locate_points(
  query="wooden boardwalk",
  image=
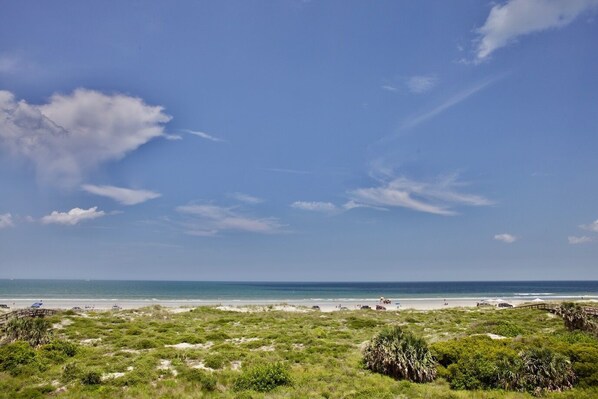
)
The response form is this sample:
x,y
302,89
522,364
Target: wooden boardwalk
x,y
552,307
27,312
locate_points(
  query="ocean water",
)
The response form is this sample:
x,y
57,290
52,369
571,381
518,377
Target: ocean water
x,y
291,291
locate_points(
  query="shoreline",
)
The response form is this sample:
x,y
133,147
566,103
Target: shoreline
x,y
326,305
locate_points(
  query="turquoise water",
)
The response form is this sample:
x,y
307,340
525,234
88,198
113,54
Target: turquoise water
x,y
291,291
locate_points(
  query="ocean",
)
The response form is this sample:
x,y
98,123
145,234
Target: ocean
x,y
291,291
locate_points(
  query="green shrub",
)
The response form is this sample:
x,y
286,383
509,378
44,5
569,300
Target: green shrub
x,y
91,377
217,336
481,363
400,355
36,330
34,392
214,361
584,359
263,378
59,350
507,329
544,370
357,323
15,356
145,343
206,380
576,318
71,372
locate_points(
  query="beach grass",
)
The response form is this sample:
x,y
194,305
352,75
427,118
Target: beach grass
x,y
206,352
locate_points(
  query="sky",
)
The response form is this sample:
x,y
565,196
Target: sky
x,y
299,140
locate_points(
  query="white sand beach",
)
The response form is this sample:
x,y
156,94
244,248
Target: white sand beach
x,y
262,305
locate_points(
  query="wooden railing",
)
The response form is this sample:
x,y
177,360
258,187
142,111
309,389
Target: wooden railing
x,y
551,307
27,312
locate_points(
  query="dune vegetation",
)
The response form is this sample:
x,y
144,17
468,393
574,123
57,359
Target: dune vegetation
x,y
206,352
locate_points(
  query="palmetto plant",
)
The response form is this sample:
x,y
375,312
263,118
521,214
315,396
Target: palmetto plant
x,y
576,318
545,370
36,331
401,355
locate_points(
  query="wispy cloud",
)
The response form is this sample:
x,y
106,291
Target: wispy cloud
x,y
506,22
449,103
574,240
204,135
506,238
72,217
421,83
172,137
125,196
437,197
246,198
6,221
209,220
590,226
389,88
315,206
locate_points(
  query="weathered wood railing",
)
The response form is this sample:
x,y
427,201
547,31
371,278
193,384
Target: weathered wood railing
x,y
552,307
27,312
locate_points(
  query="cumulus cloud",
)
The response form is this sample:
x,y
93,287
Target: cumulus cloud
x,y
72,217
591,227
125,196
421,84
203,135
506,238
74,133
248,199
573,240
436,197
211,219
6,220
314,206
516,18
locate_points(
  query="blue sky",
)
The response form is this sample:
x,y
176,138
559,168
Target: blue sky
x,y
299,140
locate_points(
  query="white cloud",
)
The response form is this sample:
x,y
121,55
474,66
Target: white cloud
x,y
437,197
506,238
74,133
125,196
73,217
211,219
6,220
573,240
388,88
173,137
314,206
591,227
248,199
515,18
421,84
203,135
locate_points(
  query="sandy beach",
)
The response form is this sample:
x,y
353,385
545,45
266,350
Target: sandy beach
x,y
255,305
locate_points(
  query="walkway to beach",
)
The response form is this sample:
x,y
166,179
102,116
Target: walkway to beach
x,y
552,307
28,312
